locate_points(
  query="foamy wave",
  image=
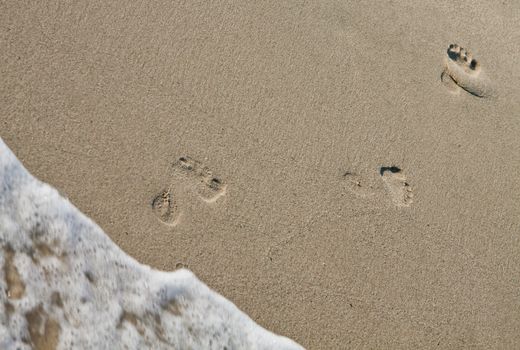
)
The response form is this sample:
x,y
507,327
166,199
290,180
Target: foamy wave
x,y
65,285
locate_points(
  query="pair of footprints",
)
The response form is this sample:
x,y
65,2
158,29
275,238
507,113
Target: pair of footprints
x,y
462,71
189,177
394,181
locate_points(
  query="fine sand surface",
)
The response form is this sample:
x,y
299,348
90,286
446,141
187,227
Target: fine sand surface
x,y
334,168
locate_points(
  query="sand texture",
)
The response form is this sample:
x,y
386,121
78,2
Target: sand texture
x,y
345,172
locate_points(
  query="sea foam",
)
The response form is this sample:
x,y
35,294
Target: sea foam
x,y
65,285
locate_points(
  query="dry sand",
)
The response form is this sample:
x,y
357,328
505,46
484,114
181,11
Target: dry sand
x,y
295,107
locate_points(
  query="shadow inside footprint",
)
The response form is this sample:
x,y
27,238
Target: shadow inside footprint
x,y
392,169
452,54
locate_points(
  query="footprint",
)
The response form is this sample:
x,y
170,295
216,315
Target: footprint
x,y
396,184
208,186
165,208
461,70
214,189
190,181
15,285
44,331
357,184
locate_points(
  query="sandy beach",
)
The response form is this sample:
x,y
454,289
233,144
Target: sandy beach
x,y
334,168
